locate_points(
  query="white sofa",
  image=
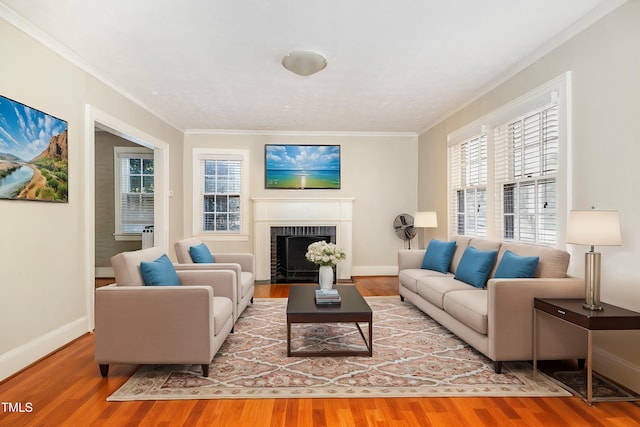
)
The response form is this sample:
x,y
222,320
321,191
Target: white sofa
x,y
497,320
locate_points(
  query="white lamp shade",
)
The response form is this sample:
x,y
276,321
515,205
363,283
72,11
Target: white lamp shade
x,y
594,228
425,220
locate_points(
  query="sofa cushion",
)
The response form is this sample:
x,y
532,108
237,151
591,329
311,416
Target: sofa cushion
x,y
201,254
516,266
475,266
159,272
461,244
469,307
410,277
553,262
438,256
433,289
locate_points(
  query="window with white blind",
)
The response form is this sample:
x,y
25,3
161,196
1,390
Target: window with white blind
x,y
134,191
220,186
526,176
468,186
508,169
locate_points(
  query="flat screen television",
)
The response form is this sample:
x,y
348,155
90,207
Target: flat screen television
x,y
302,166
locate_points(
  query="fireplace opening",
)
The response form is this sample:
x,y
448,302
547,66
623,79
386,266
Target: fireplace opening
x,y
288,249
292,264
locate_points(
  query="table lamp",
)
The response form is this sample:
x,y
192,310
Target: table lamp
x,y
425,219
593,228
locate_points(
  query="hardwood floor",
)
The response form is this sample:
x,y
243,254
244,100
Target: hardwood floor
x,y
66,389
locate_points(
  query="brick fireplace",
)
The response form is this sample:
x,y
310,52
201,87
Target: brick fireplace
x,y
301,216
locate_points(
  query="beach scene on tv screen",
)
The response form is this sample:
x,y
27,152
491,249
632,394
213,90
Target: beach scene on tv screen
x,y
302,166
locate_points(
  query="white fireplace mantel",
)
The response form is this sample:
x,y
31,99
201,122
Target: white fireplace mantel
x,y
313,211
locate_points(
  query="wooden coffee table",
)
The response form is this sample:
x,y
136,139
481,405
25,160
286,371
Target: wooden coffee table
x,y
302,308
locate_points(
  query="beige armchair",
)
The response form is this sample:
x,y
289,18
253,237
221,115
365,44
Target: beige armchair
x,y
183,324
242,263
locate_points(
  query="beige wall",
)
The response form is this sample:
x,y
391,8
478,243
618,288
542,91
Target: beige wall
x,y
106,245
605,65
379,171
45,248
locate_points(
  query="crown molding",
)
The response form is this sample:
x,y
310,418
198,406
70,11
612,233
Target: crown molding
x,y
300,133
43,38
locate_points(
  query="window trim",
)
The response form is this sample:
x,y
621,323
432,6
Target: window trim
x,y
118,151
199,154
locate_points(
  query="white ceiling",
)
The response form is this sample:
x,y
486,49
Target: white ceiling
x,y
394,66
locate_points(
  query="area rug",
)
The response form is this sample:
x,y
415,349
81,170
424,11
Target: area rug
x,y
603,389
412,356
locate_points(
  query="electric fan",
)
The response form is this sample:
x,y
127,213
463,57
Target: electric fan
x,y
403,227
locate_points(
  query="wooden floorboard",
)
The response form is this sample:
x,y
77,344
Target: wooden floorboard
x,y
66,389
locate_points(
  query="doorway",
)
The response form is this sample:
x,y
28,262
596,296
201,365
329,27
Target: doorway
x,y
98,121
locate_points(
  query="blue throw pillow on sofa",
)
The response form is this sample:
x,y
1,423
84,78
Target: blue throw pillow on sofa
x,y
160,272
438,256
516,266
201,254
475,266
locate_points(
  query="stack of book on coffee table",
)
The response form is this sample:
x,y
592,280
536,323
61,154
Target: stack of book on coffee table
x,y
327,296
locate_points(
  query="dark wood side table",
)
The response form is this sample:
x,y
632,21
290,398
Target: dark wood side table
x,y
570,310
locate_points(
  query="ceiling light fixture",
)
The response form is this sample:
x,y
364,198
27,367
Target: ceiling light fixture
x,y
304,63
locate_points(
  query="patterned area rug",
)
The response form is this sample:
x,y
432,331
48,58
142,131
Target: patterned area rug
x,y
412,356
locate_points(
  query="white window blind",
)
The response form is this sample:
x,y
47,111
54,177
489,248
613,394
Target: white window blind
x,y
221,196
134,192
468,186
526,176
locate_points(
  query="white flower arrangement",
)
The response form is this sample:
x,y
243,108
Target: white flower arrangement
x,y
323,253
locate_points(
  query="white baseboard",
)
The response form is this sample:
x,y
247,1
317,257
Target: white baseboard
x,y
617,369
20,357
104,272
374,270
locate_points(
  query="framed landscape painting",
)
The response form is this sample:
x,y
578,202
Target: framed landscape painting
x,y
302,166
33,154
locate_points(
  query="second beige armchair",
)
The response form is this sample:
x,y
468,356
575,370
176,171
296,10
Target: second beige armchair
x,y
242,263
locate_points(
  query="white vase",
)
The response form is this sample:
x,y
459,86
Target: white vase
x,y
326,277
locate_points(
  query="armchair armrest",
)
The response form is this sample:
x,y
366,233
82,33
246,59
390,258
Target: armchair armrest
x,y
410,258
222,282
235,267
246,260
510,312
175,323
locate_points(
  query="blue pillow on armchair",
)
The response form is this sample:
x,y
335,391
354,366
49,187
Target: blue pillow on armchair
x,y
201,254
438,256
475,266
160,272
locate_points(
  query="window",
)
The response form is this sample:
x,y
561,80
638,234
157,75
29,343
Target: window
x,y
527,166
220,193
468,186
134,191
507,170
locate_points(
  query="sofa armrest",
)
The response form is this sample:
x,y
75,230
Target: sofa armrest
x,y
510,312
153,324
410,258
246,260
